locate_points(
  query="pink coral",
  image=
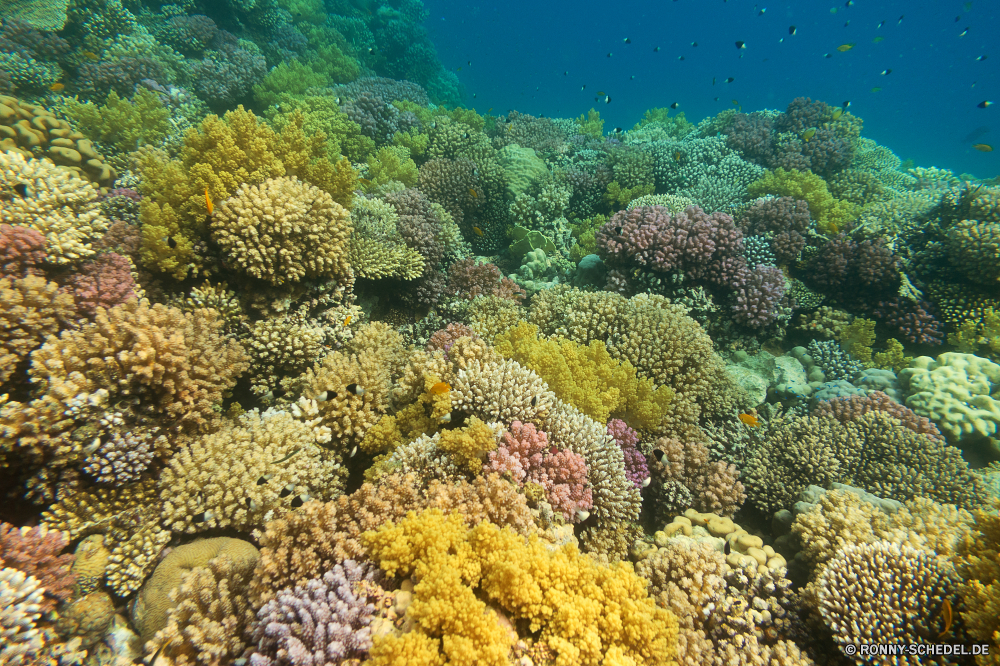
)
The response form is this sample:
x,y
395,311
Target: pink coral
x,y
525,456
468,279
635,463
852,407
36,552
102,283
21,251
700,245
444,338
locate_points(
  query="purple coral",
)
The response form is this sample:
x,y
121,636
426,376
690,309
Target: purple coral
x,y
97,79
22,250
468,279
636,469
914,321
843,266
325,621
227,75
444,338
693,242
102,283
786,218
758,293
190,35
379,119
451,184
524,455
17,36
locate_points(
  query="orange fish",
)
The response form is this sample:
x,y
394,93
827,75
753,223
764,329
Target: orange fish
x,y
983,147
479,232
440,388
347,320
57,87
208,202
946,614
474,194
750,420
90,54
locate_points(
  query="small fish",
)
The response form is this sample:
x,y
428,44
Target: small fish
x,y
677,156
675,105
761,12
730,80
877,40
208,202
251,504
792,30
967,6
458,69
297,502
355,389
534,401
489,109
886,72
57,87
741,45
446,418
656,50
843,48
983,147
963,33
837,113
203,517
287,490
262,480
91,448
947,616
846,104
849,3
22,188
827,55
694,44
347,320
440,388
627,40
713,80
610,54
659,455
371,50
632,78
808,134
847,23
876,89
618,130
716,99
336,100
880,24
728,548
583,87
680,57
985,104
750,420
735,102
281,460
607,100
981,58
957,19
365,182
90,55
900,21
171,243
601,93
566,73
477,231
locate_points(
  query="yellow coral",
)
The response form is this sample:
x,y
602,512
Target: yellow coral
x,y
468,445
857,339
587,376
830,214
587,613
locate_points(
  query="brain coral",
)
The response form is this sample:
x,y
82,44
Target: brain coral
x,y
57,203
284,230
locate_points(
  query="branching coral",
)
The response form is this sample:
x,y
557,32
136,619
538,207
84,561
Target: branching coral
x,y
605,615
31,309
36,552
284,230
683,477
979,567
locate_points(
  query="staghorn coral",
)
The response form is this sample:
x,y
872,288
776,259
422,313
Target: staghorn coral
x,y
58,204
306,543
880,592
328,618
246,472
209,616
874,451
36,552
284,230
606,615
524,455
31,309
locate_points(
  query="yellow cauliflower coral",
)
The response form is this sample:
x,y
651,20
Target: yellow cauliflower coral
x,y
586,613
587,376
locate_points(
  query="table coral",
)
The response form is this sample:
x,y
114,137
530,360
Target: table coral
x,y
245,472
605,614
58,204
953,390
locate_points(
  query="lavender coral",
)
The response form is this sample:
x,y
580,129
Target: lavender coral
x,y
758,293
324,621
784,220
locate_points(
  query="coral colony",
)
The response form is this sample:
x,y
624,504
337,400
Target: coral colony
x,y
303,363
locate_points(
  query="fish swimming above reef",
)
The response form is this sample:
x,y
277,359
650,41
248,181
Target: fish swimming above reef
x,y
983,147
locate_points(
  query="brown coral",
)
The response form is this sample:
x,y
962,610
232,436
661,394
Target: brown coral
x,y
36,552
31,309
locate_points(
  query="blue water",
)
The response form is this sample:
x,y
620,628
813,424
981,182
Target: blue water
x,y
535,56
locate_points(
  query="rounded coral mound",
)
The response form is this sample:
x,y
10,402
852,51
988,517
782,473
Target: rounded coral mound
x,y
284,230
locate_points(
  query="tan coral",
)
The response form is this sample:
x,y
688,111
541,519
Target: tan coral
x,y
59,205
250,469
284,230
31,309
